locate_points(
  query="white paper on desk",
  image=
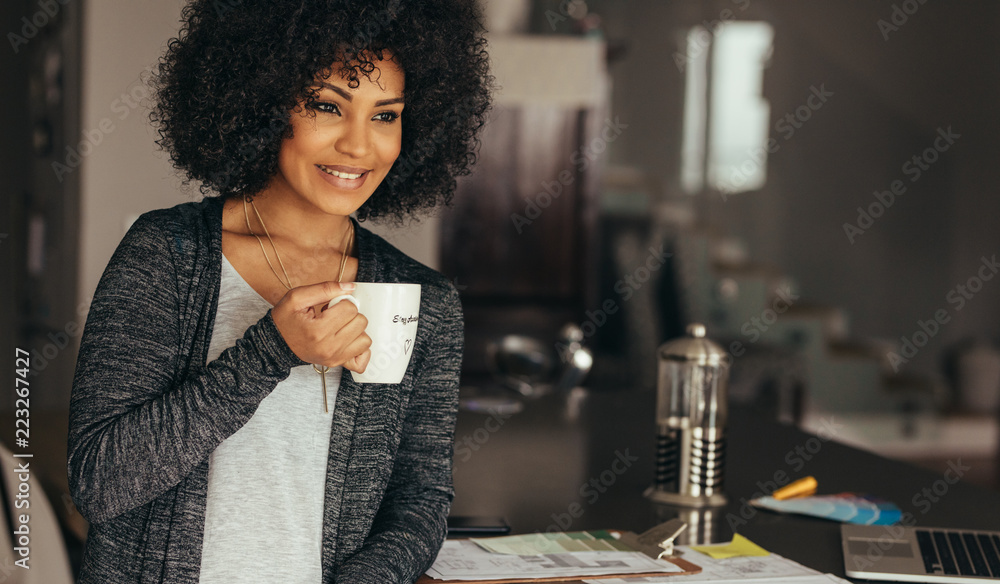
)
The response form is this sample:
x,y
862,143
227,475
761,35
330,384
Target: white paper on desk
x,y
817,579
464,560
771,568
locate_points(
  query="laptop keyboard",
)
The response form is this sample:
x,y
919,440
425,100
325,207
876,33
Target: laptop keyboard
x,y
960,553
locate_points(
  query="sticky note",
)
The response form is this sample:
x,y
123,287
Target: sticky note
x,y
739,547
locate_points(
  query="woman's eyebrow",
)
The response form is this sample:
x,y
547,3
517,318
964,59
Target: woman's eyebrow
x,y
343,93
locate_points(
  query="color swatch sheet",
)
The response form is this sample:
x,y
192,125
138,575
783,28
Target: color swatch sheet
x,y
553,543
845,507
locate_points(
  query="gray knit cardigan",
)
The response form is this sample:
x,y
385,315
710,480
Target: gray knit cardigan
x,y
147,411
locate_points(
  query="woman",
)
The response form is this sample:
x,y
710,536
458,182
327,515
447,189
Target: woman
x,y
212,435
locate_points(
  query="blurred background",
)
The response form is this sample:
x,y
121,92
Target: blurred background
x,y
813,181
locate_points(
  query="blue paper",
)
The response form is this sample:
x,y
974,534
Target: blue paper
x,y
845,508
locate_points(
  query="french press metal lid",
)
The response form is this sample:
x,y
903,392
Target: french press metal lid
x,y
695,348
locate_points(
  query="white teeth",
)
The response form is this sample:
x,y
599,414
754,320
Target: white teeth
x,y
339,174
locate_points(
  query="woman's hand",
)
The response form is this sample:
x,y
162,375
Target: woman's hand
x,y
323,336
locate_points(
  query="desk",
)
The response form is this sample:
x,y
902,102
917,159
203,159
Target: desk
x,y
582,461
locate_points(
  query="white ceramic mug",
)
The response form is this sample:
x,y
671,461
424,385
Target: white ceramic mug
x,y
393,312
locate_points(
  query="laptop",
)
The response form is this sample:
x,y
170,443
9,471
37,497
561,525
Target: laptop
x,y
920,554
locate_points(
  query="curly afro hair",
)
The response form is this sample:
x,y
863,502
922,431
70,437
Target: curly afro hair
x,y
227,84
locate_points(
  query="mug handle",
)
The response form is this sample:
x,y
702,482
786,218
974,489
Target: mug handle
x,y
347,297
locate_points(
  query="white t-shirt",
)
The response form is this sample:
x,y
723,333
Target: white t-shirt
x,y
266,482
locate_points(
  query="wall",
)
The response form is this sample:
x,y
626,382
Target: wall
x,y
891,95
13,157
125,174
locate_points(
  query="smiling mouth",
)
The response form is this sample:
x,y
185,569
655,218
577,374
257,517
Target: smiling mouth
x,y
339,174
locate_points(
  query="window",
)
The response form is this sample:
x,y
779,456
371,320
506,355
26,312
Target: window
x,y
726,118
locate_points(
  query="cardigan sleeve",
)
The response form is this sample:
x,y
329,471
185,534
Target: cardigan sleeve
x,y
137,427
411,522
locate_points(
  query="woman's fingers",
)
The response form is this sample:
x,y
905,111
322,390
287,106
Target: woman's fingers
x,y
316,334
360,363
347,342
354,325
302,298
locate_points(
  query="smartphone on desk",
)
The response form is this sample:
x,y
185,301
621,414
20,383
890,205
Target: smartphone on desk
x,y
461,526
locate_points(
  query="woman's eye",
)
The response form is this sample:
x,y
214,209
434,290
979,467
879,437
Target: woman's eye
x,y
325,107
387,117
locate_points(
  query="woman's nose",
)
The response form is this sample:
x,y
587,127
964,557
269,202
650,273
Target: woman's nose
x,y
356,139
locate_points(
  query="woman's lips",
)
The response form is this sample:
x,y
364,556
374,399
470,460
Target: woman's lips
x,y
344,177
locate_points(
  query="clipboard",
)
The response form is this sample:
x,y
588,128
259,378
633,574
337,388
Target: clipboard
x,y
656,543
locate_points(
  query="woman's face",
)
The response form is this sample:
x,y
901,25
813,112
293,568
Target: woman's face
x,y
343,143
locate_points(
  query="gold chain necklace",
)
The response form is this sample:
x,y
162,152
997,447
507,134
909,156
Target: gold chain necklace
x,y
287,282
